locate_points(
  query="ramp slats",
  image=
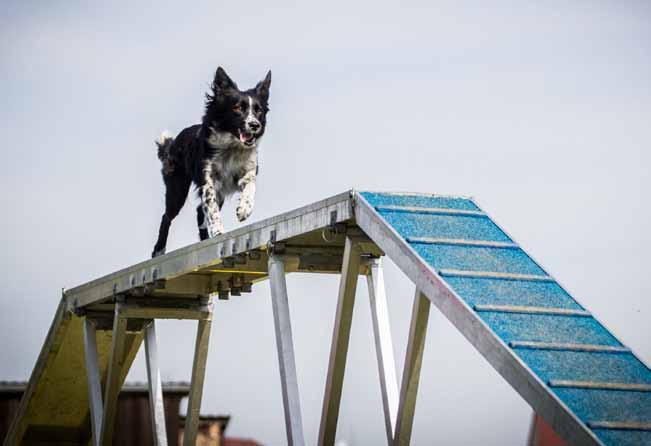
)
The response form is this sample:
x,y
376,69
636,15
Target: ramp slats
x,y
548,328
532,310
482,291
608,405
446,226
478,258
433,211
461,242
623,438
419,200
585,366
558,340
497,275
600,385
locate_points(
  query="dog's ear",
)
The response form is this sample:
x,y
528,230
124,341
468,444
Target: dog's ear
x,y
262,89
222,82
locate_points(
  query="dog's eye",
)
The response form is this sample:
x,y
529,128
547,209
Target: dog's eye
x,y
237,108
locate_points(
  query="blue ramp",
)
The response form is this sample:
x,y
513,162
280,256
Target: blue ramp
x,y
590,387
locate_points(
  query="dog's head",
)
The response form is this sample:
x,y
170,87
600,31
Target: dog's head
x,y
239,117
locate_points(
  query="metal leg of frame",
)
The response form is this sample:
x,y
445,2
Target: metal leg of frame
x,y
286,359
339,346
156,408
411,371
531,436
196,382
115,365
94,379
383,346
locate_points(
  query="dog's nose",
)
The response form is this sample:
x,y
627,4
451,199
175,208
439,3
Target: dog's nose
x,y
255,126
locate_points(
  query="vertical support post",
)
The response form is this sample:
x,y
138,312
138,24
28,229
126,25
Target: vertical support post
x,y
196,382
383,346
411,370
285,346
531,437
94,379
156,407
339,346
115,365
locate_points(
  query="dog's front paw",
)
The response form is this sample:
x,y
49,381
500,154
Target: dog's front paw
x,y
244,210
215,229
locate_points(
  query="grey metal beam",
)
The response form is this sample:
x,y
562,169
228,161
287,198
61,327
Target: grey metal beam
x,y
94,379
411,369
383,346
156,407
204,254
285,346
196,381
116,362
137,311
339,346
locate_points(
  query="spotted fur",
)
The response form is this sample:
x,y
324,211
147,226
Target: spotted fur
x,y
220,156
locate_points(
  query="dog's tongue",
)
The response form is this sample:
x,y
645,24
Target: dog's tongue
x,y
244,137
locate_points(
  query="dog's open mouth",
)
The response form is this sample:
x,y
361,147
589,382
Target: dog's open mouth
x,y
248,139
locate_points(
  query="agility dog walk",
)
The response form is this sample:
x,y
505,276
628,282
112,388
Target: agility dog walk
x,y
586,384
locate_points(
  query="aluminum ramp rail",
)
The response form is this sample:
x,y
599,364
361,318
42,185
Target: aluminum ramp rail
x,y
589,387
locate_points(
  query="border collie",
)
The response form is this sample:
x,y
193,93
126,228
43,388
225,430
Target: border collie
x,y
219,155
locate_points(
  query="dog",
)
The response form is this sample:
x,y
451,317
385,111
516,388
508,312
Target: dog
x,y
220,156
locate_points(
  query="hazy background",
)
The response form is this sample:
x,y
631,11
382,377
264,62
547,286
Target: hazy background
x,y
542,112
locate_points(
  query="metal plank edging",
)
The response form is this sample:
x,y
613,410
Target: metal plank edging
x,y
462,242
591,348
494,275
470,324
620,425
430,211
522,309
600,385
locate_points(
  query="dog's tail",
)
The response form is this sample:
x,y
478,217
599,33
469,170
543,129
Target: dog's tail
x,y
164,142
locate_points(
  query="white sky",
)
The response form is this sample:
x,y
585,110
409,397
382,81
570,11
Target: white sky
x,y
540,111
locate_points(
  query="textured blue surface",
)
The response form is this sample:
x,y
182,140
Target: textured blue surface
x,y
584,366
610,405
481,291
474,258
587,404
624,438
382,199
444,226
545,328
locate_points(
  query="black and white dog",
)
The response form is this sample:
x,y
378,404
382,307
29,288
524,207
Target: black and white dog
x,y
219,155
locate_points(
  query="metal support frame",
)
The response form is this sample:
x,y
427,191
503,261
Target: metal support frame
x,y
103,408
94,379
156,407
411,369
112,387
285,346
196,381
383,346
339,346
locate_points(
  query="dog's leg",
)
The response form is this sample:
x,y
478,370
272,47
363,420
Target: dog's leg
x,y
247,195
211,201
176,191
202,223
